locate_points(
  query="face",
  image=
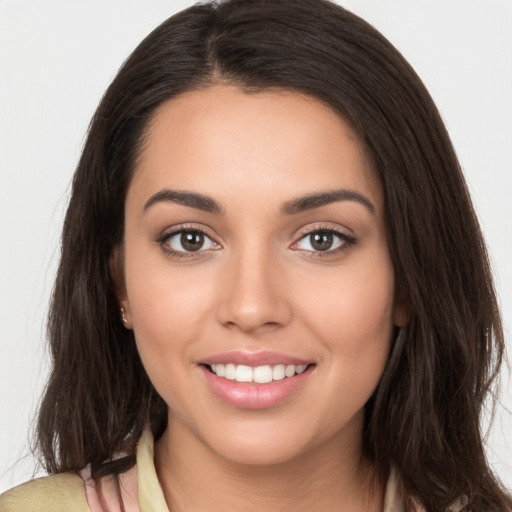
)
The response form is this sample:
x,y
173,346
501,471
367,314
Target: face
x,y
257,277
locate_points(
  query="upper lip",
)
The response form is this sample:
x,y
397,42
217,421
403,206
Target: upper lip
x,y
254,359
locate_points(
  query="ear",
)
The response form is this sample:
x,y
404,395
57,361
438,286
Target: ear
x,y
401,309
116,267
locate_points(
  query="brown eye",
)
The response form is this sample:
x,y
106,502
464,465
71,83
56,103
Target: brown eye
x,y
189,241
327,241
192,240
321,241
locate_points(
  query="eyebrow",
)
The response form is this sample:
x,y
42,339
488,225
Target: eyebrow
x,y
316,200
191,199
292,207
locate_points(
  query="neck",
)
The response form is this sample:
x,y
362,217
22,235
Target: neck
x,y
330,477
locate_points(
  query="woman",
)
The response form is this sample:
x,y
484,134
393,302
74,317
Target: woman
x,y
273,291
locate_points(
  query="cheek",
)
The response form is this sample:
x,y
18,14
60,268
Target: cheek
x,y
353,319
167,309
166,305
161,293
353,302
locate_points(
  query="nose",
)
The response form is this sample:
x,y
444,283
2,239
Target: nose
x,y
253,296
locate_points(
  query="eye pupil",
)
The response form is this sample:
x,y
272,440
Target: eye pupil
x,y
192,240
322,241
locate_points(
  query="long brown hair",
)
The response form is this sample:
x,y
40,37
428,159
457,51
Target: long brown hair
x,y
424,417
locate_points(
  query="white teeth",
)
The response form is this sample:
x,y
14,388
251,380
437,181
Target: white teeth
x,y
301,368
290,370
278,372
220,370
262,374
259,374
243,373
230,371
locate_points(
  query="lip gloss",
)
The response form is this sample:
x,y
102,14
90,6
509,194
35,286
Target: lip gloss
x,y
250,395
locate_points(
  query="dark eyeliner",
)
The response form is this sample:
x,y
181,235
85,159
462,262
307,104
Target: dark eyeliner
x,y
348,241
167,234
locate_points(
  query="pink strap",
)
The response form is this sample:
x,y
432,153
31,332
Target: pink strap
x,y
111,494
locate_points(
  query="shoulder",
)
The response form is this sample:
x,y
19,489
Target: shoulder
x,y
64,492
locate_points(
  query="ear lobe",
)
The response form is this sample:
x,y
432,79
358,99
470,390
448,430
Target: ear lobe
x,y
116,268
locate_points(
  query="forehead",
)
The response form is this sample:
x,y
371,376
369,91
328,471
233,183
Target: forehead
x,y
276,143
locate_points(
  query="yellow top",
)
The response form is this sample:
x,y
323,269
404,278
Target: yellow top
x,y
139,490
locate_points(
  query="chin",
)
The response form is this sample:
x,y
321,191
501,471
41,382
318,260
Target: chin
x,y
266,443
260,453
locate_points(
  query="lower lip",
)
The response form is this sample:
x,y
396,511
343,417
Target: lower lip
x,y
248,395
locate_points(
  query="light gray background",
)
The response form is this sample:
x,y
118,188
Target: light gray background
x,y
58,57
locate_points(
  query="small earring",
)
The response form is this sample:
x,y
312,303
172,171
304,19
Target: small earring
x,y
123,317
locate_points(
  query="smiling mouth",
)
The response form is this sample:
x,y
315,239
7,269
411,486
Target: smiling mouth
x,y
258,375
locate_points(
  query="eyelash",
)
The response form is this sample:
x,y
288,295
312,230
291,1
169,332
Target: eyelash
x,y
347,241
167,235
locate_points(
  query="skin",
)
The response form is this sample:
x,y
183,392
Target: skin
x,y
259,285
